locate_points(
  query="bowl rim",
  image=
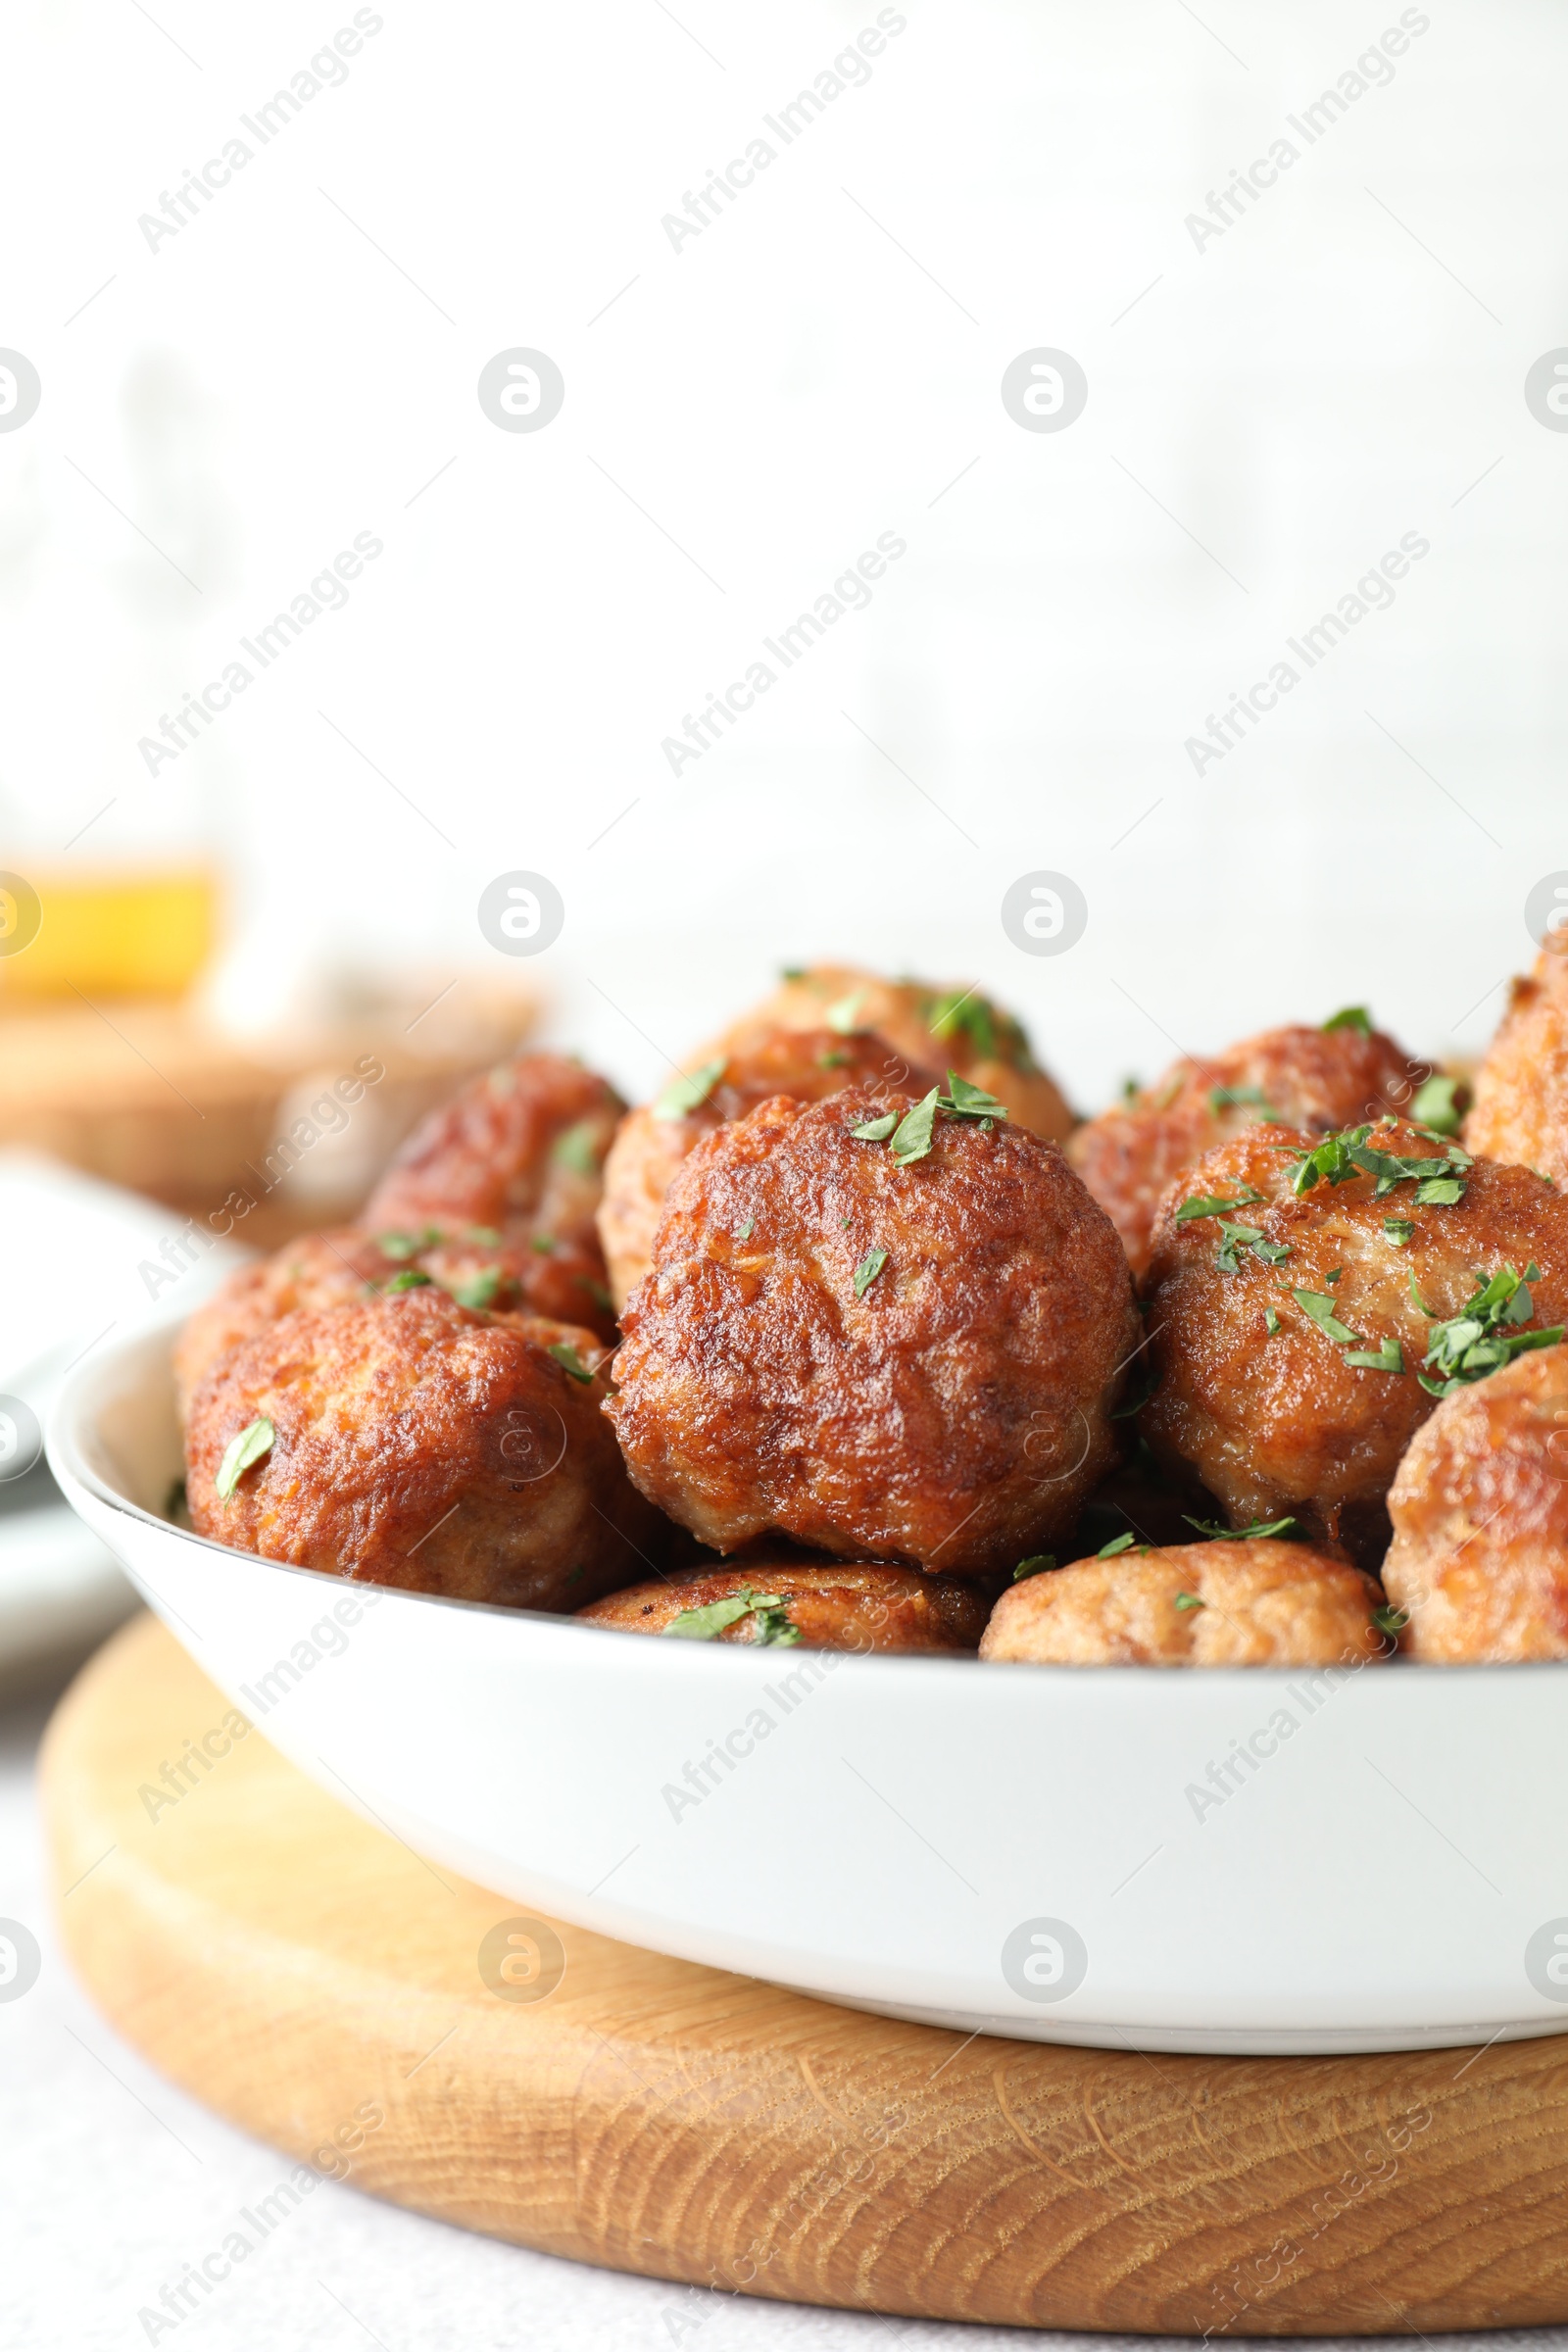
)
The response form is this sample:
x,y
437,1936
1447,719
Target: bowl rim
x,y
76,1399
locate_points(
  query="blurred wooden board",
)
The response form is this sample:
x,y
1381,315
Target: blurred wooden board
x,y
300,1971
145,1093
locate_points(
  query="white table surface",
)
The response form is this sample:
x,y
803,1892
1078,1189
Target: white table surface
x,y
112,2180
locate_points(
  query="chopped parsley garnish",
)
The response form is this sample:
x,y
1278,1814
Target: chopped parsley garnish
x,y
1390,1620
912,1137
1485,1334
1399,1230
577,1150
545,1243
597,1293
747,1230
1272,1321
831,1061
1190,1600
867,1272
1234,1237
876,1131
1241,1534
486,1236
1036,1565
966,1101
1119,1544
570,1360
792,971
239,1454
684,1095
1214,1204
411,1278
1433,1106
1353,1016
1438,1180
1234,1098
706,1624
1387,1358
408,1244
478,1293
909,1138
1131,1089
844,1018
1320,1306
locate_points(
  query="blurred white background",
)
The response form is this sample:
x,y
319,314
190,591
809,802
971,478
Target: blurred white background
x,y
1266,416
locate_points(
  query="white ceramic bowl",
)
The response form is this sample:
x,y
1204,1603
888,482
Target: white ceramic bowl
x,y
1036,1852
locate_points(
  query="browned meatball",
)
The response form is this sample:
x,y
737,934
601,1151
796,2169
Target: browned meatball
x,y
1250,1603
1318,1079
932,1025
322,1269
892,1360
838,1607
423,1443
1259,1346
518,1155
808,1065
1479,1508
1521,1106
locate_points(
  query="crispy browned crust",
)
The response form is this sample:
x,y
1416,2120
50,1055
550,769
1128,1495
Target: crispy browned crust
x,y
425,1445
519,1153
908,1012
808,1065
1318,1079
1480,1510
324,1270
955,1417
1277,1423
869,1607
1521,1104
1263,1603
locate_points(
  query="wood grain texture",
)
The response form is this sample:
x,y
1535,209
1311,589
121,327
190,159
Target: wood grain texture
x,y
291,1965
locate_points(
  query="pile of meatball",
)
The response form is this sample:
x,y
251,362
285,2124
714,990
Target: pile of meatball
x,y
855,1338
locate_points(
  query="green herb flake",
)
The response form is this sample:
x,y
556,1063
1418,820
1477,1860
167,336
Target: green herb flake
x,y
1235,1098
578,1149
570,1360
411,1278
831,1061
597,1292
867,1272
1433,1106
1190,1600
844,1018
716,1617
487,1237
685,1095
545,1244
479,1293
747,1230
399,1246
1388,1357
1390,1620
1214,1204
1353,1016
1234,1237
792,971
239,1454
1320,1306
912,1137
1485,1334
1439,1191
966,1101
1272,1321
1121,1544
1288,1528
1399,1230
876,1131
1037,1564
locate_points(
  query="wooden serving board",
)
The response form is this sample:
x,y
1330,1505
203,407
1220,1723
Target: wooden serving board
x,y
305,1974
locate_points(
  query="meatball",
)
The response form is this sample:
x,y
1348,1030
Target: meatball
x,y
1291,1331
1250,1603
516,1157
928,1023
821,1607
1521,1104
886,1352
808,1065
422,1444
1479,1508
1316,1079
322,1269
